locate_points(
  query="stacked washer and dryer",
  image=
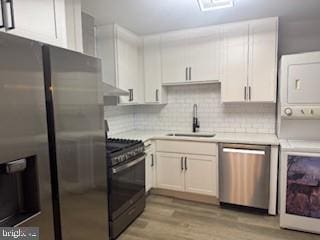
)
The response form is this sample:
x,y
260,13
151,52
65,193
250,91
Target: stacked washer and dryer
x,y
299,134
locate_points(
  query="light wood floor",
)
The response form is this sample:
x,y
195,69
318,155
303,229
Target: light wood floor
x,y
172,219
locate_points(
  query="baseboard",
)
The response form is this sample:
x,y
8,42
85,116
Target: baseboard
x,y
186,196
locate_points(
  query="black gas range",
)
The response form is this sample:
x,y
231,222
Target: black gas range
x,y
126,183
123,150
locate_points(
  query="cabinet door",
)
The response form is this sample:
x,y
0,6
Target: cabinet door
x,y
263,44
129,65
2,29
105,39
235,63
170,173
150,167
173,58
40,20
203,54
201,174
152,69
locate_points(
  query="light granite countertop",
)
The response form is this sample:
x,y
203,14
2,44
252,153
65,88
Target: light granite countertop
x,y
242,138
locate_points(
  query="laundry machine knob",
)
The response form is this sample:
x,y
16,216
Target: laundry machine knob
x,y
288,112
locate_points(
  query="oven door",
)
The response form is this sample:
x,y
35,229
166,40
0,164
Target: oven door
x,y
300,191
126,186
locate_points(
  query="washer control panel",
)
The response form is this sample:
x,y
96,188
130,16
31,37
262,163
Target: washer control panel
x,y
300,112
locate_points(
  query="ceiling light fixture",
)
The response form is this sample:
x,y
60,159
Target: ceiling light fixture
x,y
209,5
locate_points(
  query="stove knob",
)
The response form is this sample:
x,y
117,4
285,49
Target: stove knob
x,y
288,112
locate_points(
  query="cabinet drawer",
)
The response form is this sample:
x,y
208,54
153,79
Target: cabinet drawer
x,y
187,147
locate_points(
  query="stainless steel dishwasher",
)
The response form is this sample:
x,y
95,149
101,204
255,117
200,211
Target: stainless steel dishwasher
x,y
244,175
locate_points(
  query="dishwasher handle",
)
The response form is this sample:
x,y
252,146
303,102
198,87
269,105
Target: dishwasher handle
x,y
243,151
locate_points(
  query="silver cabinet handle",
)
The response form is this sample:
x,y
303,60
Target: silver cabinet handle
x,y
9,25
190,73
181,163
130,95
157,95
245,93
250,93
186,74
2,15
152,160
186,163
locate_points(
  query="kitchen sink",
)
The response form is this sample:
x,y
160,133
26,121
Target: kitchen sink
x,y
199,135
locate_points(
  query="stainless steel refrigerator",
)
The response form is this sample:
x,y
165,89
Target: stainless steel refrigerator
x,y
52,141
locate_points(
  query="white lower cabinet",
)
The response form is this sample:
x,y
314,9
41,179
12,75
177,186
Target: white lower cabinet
x,y
170,174
150,169
201,174
187,173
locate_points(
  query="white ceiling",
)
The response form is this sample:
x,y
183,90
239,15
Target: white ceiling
x,y
152,16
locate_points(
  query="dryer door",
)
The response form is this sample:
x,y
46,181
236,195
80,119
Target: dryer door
x,y
304,83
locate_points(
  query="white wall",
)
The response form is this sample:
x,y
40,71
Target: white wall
x,y
299,35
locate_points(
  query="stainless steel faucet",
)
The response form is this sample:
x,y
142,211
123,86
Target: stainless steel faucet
x,y
196,123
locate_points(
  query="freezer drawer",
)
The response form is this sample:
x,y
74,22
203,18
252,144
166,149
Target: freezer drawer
x,y
244,175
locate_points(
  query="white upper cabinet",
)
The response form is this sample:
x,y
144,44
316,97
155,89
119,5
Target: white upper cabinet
x,y
75,27
174,58
235,63
121,52
250,61
129,58
242,56
263,55
43,20
106,50
190,56
154,92
204,54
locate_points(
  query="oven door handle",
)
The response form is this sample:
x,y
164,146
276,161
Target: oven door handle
x,y
128,165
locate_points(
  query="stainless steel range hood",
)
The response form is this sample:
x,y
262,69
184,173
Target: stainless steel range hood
x,y
111,94
111,91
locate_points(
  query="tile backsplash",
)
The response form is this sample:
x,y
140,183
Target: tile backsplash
x,y
213,115
120,119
